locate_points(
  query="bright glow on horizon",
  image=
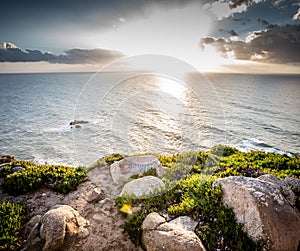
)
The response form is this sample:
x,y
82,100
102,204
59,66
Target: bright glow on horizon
x,y
173,32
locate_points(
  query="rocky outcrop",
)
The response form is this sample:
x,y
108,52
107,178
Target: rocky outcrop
x,y
142,187
264,211
96,195
122,170
159,235
60,226
185,222
78,122
6,158
295,183
282,186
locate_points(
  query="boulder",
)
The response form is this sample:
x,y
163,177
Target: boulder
x,y
60,226
78,122
6,158
143,187
282,186
122,170
96,195
16,169
185,222
295,183
264,211
31,224
159,235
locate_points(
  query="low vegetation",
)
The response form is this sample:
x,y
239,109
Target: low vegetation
x,y
190,192
11,220
62,179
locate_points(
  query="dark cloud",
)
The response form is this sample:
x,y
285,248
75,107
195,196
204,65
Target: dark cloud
x,y
11,53
258,16
236,3
80,56
275,45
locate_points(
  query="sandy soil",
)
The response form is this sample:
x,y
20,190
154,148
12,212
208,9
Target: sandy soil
x,y
106,231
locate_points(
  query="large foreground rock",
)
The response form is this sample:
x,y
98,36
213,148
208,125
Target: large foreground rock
x,y
60,227
142,187
282,186
264,211
159,235
122,170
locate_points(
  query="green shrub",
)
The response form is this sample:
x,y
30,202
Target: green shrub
x,y
59,178
11,219
256,163
114,157
149,172
221,150
189,192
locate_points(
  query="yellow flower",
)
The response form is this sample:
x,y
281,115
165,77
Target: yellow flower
x,y
126,208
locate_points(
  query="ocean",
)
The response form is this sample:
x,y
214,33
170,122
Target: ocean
x,y
132,112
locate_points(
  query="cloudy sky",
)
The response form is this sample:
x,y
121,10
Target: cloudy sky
x,y
212,35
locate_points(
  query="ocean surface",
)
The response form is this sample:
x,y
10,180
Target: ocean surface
x,y
131,113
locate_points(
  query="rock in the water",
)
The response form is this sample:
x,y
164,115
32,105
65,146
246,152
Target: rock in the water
x,y
125,168
6,158
61,225
78,122
142,187
159,235
263,210
185,222
96,195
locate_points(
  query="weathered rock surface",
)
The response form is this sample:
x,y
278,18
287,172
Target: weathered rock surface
x,y
35,220
96,195
293,182
142,187
185,222
78,122
122,170
263,210
6,158
159,235
282,186
60,227
16,169
62,224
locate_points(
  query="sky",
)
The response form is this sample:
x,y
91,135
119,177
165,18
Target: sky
x,y
244,36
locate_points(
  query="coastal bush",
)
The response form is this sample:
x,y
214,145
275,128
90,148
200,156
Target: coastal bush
x,y
11,219
149,172
61,179
112,158
256,163
189,191
193,196
221,150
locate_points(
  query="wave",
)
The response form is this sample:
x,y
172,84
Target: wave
x,y
259,145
